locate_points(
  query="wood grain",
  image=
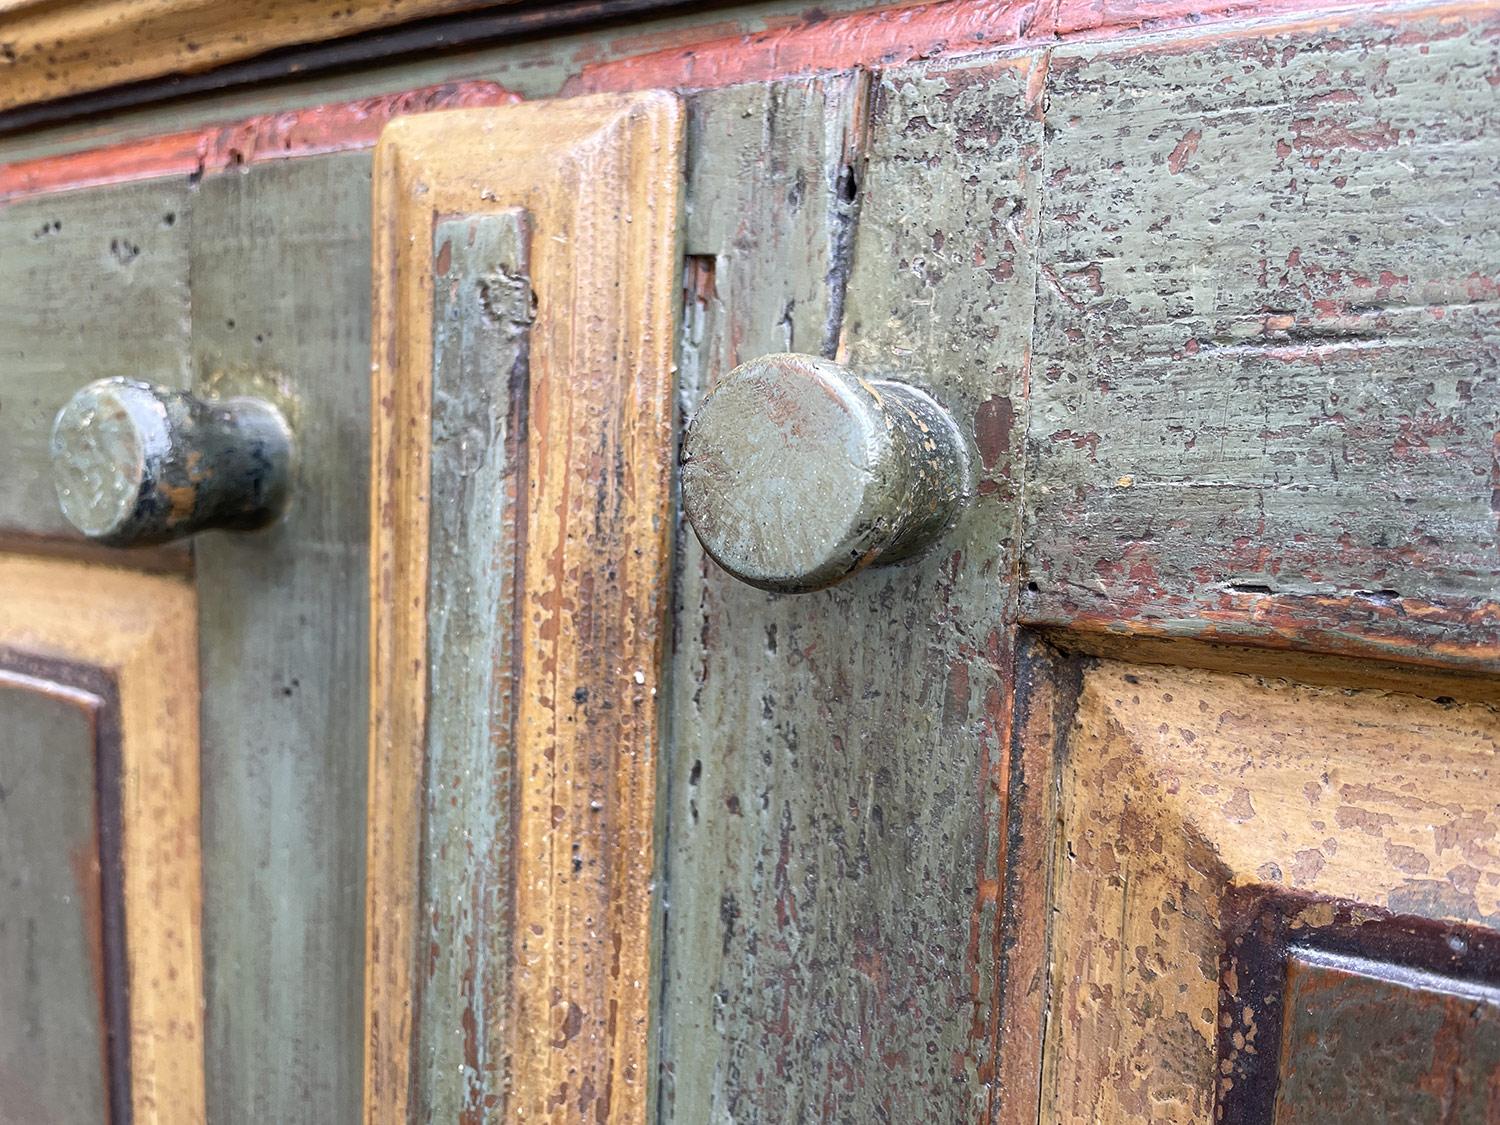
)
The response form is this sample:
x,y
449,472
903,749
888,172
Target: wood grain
x,y
1179,786
280,257
52,49
841,760
600,179
1265,385
140,630
481,331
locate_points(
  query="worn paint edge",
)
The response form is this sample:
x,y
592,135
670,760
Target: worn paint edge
x,y
1463,637
459,163
892,36
882,37
316,131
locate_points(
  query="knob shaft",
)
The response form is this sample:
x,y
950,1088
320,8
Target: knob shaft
x,y
796,473
136,464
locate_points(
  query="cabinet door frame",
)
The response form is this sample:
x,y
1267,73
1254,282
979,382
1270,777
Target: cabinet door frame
x,y
135,635
563,1012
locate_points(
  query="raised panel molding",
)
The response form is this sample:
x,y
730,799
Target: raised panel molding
x,y
1215,827
583,198
123,647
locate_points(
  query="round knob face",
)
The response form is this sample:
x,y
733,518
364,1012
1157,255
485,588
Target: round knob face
x,y
797,473
136,464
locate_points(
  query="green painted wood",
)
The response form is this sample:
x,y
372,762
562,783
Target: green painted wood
x,y
765,227
92,284
52,1036
832,948
481,319
1370,1043
281,309
1268,338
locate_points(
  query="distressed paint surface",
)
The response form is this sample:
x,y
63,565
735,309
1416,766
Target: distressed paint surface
x,y
57,1062
134,463
92,285
315,131
1341,1011
600,181
787,981
55,49
751,285
481,318
281,297
1364,1045
133,636
833,940
1267,374
1179,786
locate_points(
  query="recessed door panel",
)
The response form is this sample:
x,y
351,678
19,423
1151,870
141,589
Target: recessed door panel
x,y
63,1048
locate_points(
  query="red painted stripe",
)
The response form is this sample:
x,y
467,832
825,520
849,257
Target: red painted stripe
x,y
272,136
893,35
872,38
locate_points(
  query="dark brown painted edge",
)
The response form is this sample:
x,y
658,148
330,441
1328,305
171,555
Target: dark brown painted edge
x,y
95,689
1263,926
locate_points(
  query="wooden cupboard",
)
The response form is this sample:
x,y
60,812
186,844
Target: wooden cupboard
x,y
1159,786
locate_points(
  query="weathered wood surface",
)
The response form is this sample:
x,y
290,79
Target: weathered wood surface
x,y
813,966
91,285
281,293
54,49
283,135
60,965
600,180
1366,1041
137,634
1266,380
833,944
1178,786
771,178
481,318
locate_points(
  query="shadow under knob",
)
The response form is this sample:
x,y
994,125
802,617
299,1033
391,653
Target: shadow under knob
x,y
796,473
137,464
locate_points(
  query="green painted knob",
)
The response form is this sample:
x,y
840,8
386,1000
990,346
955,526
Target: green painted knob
x,y
136,464
796,473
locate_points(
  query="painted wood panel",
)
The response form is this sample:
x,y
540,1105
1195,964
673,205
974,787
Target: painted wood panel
x,y
280,309
772,176
1265,382
1368,1041
120,649
61,967
92,285
600,181
56,49
481,321
854,889
835,941
1179,790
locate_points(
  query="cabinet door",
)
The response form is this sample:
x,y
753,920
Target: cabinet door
x,y
186,725
1255,418
1160,788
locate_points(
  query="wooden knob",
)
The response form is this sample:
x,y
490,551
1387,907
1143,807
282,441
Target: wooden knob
x,y
137,464
796,473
